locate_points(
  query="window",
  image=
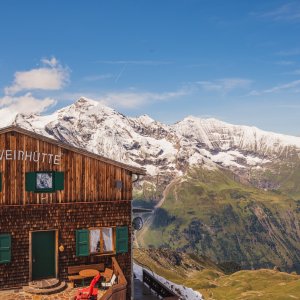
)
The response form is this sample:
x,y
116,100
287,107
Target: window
x,y
103,240
5,248
108,240
43,182
95,240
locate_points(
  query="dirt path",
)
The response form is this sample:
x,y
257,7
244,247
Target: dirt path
x,y
149,220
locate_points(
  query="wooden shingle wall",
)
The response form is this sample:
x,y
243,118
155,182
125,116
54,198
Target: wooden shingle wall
x,y
66,219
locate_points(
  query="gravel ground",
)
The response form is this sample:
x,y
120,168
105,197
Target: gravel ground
x,y
67,294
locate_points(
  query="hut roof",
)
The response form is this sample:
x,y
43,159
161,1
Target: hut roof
x,y
14,128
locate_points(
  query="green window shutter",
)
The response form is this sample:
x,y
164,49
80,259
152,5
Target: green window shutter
x,y
122,239
59,181
82,243
5,248
30,181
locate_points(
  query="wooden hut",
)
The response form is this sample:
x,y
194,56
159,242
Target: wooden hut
x,y
60,206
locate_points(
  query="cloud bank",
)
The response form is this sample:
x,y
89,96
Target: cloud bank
x,y
52,76
19,98
225,85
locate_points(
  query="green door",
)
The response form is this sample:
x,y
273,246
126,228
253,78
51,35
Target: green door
x,y
43,254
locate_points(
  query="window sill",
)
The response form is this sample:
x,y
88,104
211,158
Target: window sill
x,y
104,254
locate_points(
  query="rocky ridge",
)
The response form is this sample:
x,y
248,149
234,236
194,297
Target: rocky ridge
x,y
164,150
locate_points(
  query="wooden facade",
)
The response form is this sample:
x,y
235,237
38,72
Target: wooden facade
x,y
88,177
95,192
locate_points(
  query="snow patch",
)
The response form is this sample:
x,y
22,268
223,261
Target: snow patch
x,y
158,147
185,293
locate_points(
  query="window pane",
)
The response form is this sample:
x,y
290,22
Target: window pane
x,y
95,240
44,181
107,239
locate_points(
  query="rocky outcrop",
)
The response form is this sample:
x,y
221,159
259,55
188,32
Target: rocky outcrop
x,y
164,150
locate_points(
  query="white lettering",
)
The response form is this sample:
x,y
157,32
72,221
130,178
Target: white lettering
x,y
44,155
8,155
57,159
20,155
50,158
28,155
36,159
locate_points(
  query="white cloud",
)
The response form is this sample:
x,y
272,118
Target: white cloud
x,y
254,93
210,85
52,62
132,99
287,12
285,86
52,76
281,87
10,106
225,85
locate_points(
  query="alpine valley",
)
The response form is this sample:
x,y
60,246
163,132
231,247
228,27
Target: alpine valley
x,y
227,192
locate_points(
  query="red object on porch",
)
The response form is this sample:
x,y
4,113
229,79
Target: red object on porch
x,y
89,293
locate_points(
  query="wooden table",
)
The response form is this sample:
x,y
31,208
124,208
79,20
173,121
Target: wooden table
x,y
89,273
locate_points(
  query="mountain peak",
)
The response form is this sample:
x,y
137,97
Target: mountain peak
x,y
145,119
192,118
86,101
157,146
87,106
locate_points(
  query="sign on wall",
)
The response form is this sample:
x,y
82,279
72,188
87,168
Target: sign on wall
x,y
30,156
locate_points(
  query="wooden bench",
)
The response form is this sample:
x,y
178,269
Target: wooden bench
x,y
74,270
108,273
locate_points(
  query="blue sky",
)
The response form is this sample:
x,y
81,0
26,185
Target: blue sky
x,y
238,61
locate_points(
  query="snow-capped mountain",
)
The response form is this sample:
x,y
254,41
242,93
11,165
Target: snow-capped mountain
x,y
161,148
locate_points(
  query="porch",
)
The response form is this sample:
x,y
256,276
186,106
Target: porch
x,y
117,291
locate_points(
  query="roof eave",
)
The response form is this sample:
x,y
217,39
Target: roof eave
x,y
133,169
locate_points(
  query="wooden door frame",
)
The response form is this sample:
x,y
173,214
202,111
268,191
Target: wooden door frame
x,y
56,250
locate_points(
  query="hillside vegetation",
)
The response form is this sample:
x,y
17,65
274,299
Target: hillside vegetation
x,y
210,280
209,213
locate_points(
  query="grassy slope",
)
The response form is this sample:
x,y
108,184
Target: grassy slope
x,y
210,213
204,276
259,284
284,174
